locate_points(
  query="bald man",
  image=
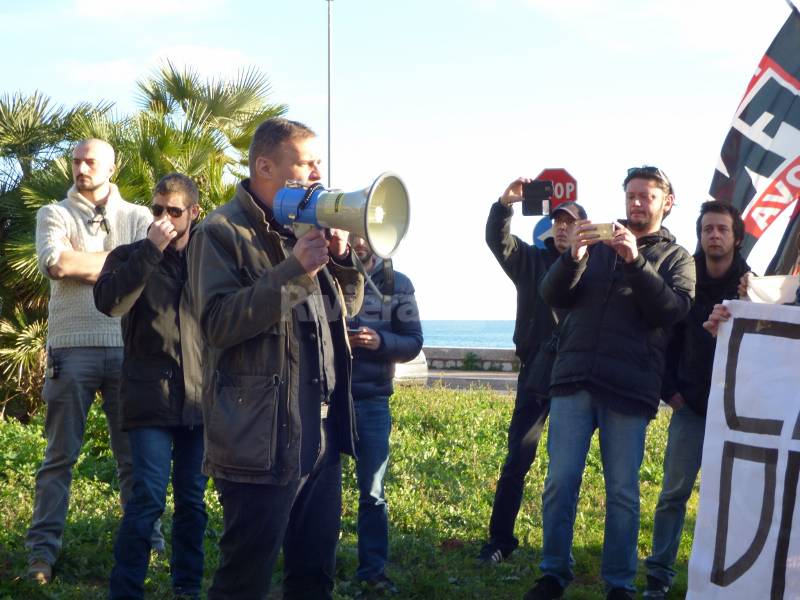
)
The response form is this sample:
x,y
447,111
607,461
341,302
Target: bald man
x,y
84,346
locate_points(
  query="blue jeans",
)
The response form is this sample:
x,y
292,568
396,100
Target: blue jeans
x,y
156,451
82,372
573,419
681,465
374,424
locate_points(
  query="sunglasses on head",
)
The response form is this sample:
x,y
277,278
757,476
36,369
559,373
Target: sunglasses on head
x,y
172,211
649,172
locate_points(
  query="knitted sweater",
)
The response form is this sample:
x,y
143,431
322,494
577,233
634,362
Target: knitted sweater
x,y
73,319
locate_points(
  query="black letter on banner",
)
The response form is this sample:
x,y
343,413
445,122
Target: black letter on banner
x,y
785,531
740,328
730,452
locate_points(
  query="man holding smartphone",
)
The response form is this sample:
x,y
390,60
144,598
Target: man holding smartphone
x,y
623,297
534,339
384,332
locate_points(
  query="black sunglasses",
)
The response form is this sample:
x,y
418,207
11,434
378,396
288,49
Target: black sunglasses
x,y
99,221
172,211
649,172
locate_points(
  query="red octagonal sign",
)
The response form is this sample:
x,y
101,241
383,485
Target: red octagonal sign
x,y
565,188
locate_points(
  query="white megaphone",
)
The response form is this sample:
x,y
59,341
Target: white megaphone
x,y
379,213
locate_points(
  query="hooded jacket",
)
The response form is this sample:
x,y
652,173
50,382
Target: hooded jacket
x,y
614,337
397,322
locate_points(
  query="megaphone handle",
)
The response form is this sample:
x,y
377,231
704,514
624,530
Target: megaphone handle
x,y
300,229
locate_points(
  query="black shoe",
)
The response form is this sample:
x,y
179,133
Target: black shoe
x,y
619,594
380,585
546,588
656,588
492,553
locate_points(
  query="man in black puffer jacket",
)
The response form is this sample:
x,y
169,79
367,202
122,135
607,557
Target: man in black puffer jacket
x,y
623,295
144,282
687,381
384,332
534,332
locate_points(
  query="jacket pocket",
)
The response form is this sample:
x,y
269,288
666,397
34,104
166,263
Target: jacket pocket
x,y
145,393
242,427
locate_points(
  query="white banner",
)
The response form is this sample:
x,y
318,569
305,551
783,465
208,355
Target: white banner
x,y
747,534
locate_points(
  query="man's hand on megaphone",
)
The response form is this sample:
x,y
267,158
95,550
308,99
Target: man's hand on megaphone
x,y
311,250
513,192
337,244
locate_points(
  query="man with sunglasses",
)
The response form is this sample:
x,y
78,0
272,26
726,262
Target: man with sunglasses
x,y
623,297
144,283
84,347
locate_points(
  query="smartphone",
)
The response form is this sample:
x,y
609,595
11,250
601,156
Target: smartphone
x,y
604,230
537,196
353,330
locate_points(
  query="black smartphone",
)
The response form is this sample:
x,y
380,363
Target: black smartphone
x,y
353,330
537,196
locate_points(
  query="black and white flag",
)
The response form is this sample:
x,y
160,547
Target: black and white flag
x,y
759,167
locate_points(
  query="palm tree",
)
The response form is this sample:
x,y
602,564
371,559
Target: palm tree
x,y
199,128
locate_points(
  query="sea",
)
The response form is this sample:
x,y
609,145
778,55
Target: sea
x,y
468,334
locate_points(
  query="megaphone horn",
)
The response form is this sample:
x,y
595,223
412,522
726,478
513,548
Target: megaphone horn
x,y
379,213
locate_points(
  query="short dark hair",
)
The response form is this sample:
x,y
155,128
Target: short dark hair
x,y
271,133
723,208
177,183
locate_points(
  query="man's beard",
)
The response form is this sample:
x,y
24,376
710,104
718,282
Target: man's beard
x,y
86,187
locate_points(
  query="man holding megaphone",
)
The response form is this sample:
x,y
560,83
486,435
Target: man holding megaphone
x,y
276,389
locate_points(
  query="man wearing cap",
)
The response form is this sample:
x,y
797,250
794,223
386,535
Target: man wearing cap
x,y
623,297
534,339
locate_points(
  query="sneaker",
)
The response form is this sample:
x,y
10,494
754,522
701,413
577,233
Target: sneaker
x,y
380,585
492,553
619,594
40,572
656,588
546,588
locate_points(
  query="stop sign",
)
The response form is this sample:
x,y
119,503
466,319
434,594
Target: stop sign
x,y
565,188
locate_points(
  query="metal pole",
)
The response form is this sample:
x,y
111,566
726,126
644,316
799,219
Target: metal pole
x,y
330,4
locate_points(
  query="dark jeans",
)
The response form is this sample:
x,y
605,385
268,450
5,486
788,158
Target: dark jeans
x,y
524,432
374,424
304,516
155,451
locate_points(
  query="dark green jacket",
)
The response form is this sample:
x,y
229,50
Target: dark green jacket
x,y
244,285
161,372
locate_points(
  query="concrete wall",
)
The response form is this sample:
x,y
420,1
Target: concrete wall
x,y
485,359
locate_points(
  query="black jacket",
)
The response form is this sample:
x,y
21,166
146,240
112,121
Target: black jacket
x,y
161,372
525,265
615,334
690,355
397,322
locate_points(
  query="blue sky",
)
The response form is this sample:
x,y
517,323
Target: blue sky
x,y
457,97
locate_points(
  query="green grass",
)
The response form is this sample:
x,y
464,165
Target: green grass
x,y
447,447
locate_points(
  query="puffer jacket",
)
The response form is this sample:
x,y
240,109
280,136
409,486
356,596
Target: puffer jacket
x,y
615,335
244,284
397,322
161,370
690,355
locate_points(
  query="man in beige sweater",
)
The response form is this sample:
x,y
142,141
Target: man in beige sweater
x,y
84,347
